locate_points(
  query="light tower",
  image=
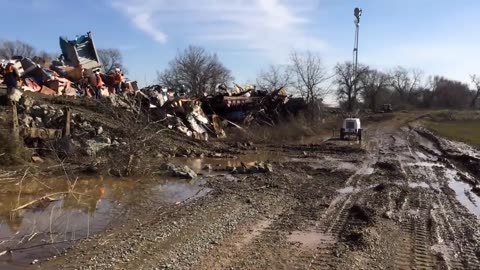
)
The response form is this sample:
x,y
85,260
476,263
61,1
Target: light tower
x,y
357,13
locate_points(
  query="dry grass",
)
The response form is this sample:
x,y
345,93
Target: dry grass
x,y
12,151
287,131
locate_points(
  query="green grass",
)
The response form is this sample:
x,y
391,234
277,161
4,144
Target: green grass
x,y
448,115
467,131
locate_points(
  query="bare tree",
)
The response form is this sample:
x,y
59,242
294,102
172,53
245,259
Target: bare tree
x,y
309,74
405,82
196,70
450,94
111,59
476,81
374,83
9,49
44,58
346,81
274,78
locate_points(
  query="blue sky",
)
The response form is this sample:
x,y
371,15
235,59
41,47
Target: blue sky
x,y
438,36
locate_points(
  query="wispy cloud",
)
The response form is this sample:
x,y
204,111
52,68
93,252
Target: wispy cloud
x,y
141,17
274,27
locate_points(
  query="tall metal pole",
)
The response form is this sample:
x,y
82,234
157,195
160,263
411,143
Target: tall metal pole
x,y
355,50
357,13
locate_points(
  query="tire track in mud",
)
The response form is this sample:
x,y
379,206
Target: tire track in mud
x,y
324,257
459,226
456,232
335,218
449,218
318,220
414,250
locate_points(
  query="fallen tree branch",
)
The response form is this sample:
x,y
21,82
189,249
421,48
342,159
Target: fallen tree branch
x,y
43,198
40,245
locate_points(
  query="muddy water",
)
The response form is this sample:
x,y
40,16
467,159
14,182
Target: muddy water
x,y
248,159
50,225
44,229
419,185
465,196
425,164
175,191
347,190
470,200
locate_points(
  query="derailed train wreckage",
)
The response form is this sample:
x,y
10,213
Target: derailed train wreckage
x,y
209,115
38,120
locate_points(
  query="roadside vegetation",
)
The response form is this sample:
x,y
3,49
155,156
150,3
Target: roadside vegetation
x,y
462,126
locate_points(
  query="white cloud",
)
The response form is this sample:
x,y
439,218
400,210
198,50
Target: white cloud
x,y
274,27
142,19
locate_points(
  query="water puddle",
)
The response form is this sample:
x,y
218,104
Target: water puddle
x,y
418,184
347,190
427,144
317,139
217,166
327,163
311,239
467,198
47,227
350,189
174,191
200,165
463,192
347,166
422,156
366,171
425,164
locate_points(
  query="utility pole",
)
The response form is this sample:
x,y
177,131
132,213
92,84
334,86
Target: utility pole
x,y
357,13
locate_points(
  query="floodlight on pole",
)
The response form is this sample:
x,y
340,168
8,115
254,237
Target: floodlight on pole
x,y
357,13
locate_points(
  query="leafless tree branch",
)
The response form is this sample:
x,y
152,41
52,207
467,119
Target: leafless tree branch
x,y
111,59
196,70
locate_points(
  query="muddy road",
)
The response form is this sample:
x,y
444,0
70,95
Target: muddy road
x,y
404,199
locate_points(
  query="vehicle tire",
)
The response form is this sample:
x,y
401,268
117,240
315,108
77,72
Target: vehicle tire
x,y
342,134
359,134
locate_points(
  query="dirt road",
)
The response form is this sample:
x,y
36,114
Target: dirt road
x,y
399,201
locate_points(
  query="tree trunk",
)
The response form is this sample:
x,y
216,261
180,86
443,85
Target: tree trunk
x,y
474,100
373,103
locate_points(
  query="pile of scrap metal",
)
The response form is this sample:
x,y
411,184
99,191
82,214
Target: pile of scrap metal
x,y
182,113
72,74
248,105
201,117
187,116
